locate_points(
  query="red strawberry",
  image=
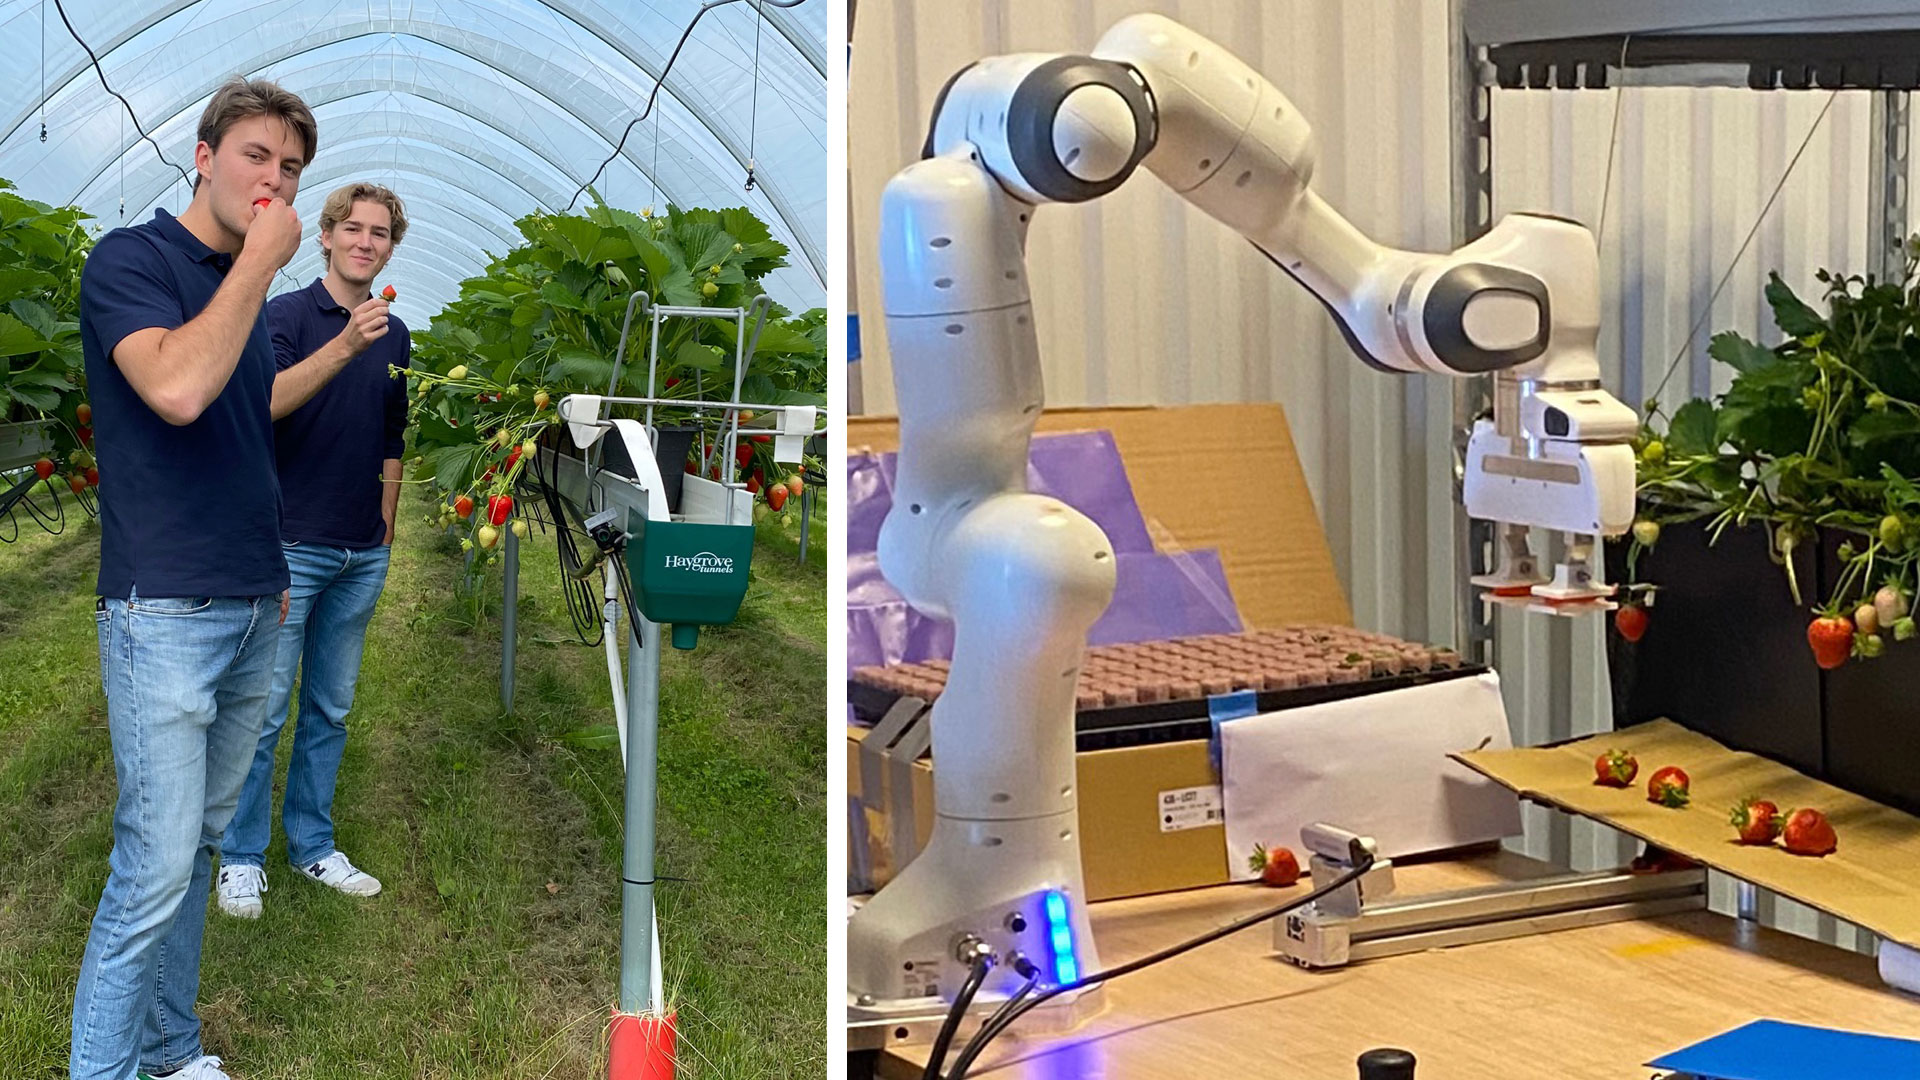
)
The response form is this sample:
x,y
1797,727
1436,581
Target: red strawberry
x,y
1631,621
263,202
499,508
776,497
692,467
463,506
85,434
83,414
1757,820
43,468
93,477
1615,768
744,455
1832,639
673,382
388,294
1276,865
762,438
513,458
1808,832
1668,787
753,486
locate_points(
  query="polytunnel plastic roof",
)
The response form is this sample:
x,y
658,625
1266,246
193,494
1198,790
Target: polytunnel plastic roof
x,y
475,111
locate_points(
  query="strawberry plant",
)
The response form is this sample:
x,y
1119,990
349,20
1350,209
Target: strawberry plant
x,y
1818,435
42,372
544,320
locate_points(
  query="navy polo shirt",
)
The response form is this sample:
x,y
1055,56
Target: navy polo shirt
x,y
331,448
189,510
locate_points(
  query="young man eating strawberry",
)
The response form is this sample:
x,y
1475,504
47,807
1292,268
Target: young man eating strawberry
x,y
339,434
180,372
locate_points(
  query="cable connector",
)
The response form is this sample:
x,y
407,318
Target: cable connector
x,y
970,949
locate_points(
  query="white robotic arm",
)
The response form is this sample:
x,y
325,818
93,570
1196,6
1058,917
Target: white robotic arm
x,y
1023,576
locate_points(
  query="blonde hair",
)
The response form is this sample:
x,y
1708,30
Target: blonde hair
x,y
240,98
339,207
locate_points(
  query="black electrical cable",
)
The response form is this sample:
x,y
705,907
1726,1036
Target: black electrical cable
x,y
976,975
58,6
1004,1014
583,602
54,523
993,1028
655,93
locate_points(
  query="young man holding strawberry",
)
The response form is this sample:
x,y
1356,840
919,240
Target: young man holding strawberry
x,y
339,433
192,580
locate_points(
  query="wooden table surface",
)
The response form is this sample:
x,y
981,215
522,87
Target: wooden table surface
x,y
1588,1004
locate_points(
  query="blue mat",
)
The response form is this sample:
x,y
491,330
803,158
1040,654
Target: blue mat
x,y
1774,1050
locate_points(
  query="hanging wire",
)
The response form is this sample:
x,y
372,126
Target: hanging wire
x,y
1707,311
653,174
753,110
1613,142
43,70
97,70
655,93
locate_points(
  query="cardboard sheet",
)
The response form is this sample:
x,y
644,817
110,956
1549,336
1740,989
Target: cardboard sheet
x,y
1377,765
1872,880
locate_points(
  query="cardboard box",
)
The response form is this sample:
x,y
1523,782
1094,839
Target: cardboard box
x,y
1277,563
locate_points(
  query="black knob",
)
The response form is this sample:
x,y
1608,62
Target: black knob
x,y
1386,1065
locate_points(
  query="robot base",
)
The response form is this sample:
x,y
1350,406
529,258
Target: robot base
x,y
878,1025
1013,885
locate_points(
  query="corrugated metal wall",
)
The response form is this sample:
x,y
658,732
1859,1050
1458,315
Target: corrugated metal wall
x,y
1141,299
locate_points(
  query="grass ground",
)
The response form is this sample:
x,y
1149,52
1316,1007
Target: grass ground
x,y
493,951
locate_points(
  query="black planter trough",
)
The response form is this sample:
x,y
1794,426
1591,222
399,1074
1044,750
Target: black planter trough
x,y
1725,654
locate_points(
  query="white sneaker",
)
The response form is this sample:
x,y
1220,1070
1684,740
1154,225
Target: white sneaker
x,y
240,889
204,1067
337,872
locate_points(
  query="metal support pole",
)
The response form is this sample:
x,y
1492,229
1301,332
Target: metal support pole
x,y
1472,217
643,752
509,619
806,512
1887,186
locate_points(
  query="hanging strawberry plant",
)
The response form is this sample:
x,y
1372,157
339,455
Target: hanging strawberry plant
x,y
42,371
545,320
1817,436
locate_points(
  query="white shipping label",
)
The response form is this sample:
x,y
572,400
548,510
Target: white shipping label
x,y
1191,808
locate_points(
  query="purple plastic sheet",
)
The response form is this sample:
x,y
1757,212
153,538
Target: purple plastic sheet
x,y
1156,594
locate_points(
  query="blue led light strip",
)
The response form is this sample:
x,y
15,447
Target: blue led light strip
x,y
1066,965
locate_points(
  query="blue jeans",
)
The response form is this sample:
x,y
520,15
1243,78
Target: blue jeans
x,y
334,590
187,682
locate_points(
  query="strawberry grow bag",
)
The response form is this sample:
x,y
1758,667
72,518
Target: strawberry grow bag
x,y
1725,654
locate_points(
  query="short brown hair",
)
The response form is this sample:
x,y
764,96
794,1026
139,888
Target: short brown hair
x,y
339,207
240,97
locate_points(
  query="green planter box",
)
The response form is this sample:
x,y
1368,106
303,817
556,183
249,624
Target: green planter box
x,y
690,575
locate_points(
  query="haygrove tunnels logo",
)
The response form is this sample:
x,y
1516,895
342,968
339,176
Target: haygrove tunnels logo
x,y
704,563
